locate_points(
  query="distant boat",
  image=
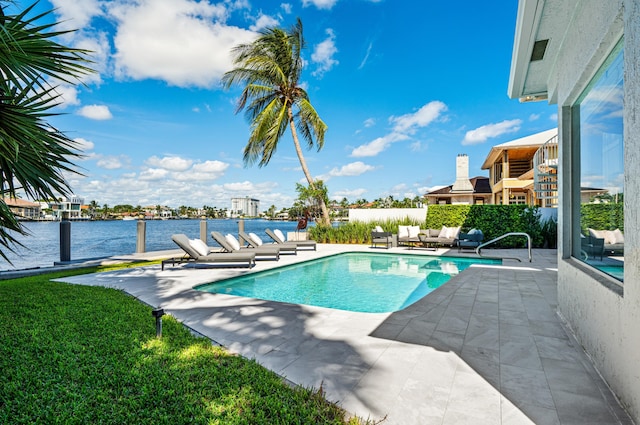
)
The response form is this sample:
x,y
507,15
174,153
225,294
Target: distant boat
x,y
128,218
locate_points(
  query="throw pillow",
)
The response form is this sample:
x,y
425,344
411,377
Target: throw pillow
x,y
232,241
403,231
378,229
609,237
199,246
452,232
596,233
619,236
414,231
280,235
255,238
443,232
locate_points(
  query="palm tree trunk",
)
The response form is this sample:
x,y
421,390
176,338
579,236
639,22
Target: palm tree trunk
x,y
325,212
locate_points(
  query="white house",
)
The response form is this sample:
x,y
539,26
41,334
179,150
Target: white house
x,y
584,56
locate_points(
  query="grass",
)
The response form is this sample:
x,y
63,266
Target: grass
x,y
76,354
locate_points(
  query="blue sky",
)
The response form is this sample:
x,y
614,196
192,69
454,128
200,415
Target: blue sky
x,y
404,87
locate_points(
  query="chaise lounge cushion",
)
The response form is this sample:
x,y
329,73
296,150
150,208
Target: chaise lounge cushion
x,y
199,246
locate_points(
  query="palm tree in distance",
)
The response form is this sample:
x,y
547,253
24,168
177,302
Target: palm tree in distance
x,y
270,69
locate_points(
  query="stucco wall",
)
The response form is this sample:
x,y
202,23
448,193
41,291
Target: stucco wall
x,y
605,319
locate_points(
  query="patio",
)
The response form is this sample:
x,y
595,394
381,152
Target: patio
x,y
485,348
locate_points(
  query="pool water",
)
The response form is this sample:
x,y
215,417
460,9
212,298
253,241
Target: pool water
x,y
362,282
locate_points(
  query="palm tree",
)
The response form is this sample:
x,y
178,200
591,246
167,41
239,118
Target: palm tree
x,y
270,69
33,154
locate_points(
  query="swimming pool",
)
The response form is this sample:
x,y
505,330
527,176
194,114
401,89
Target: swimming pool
x,y
361,282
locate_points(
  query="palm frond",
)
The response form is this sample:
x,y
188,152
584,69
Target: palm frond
x,y
28,52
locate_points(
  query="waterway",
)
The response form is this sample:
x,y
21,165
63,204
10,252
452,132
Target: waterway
x,y
98,239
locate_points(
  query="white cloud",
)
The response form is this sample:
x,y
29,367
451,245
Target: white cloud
x,y
378,145
75,14
320,4
95,112
171,163
286,8
485,132
366,56
264,21
179,41
245,186
424,116
534,117
110,162
214,167
323,54
369,122
152,174
352,169
348,193
83,144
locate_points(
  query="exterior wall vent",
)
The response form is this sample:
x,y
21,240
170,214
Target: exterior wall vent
x,y
539,47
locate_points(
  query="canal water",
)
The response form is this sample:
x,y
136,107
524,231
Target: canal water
x,y
97,239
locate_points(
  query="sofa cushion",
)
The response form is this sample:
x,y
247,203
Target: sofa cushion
x,y
403,231
414,231
378,229
618,237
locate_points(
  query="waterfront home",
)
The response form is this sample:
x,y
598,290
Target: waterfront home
x,y
583,55
512,169
23,209
464,190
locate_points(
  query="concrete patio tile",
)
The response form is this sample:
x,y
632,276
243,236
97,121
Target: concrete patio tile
x,y
548,328
558,348
525,386
513,317
527,414
485,308
482,331
473,400
577,409
520,352
446,341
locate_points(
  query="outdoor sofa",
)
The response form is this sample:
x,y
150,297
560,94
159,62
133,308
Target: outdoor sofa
x,y
612,240
414,236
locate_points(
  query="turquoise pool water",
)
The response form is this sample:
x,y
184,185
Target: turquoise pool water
x,y
362,282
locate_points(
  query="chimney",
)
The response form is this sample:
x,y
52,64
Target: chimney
x,y
462,183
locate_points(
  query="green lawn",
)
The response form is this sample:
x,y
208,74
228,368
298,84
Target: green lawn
x,y
77,354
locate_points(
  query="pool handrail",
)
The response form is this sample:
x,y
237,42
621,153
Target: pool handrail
x,y
479,248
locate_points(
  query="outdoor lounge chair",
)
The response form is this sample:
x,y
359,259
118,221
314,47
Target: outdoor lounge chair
x,y
228,244
193,256
254,241
472,239
298,244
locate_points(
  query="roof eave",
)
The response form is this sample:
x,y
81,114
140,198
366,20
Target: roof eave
x,y
529,13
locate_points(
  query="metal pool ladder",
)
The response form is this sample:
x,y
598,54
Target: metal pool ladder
x,y
504,236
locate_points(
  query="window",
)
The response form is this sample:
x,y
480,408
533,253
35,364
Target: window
x,y
517,199
601,151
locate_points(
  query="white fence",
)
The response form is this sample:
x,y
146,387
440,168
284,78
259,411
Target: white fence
x,y
383,214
